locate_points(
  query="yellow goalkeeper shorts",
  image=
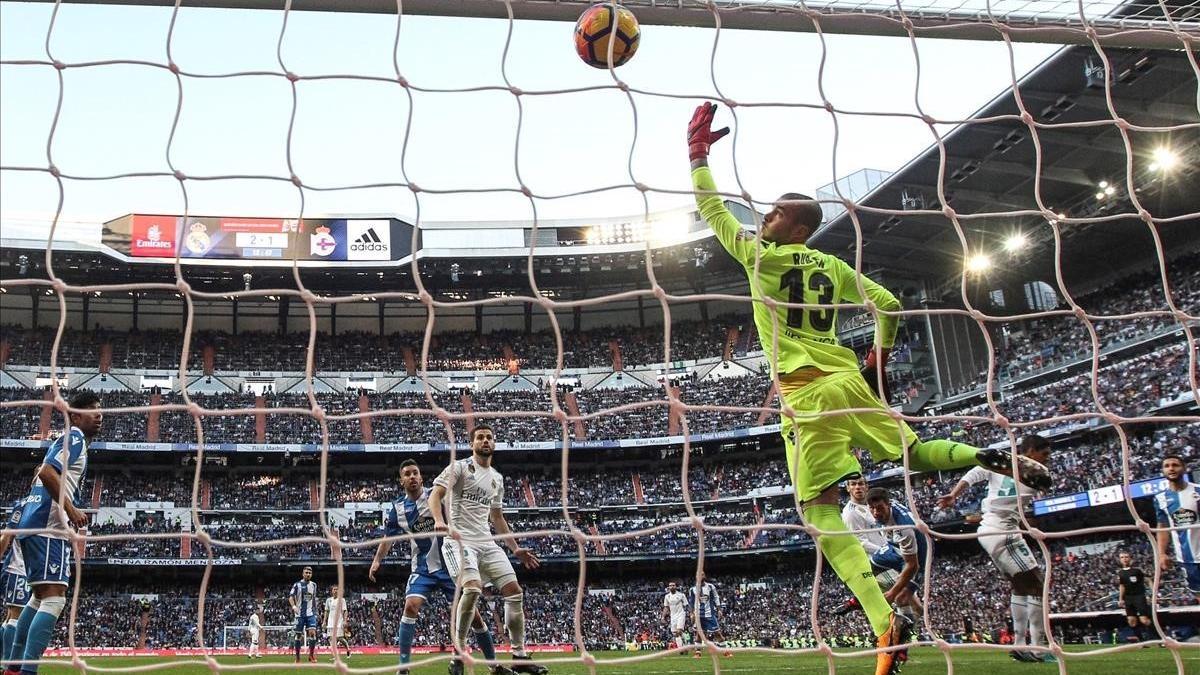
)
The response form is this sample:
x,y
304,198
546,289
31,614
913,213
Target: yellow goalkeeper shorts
x,y
818,448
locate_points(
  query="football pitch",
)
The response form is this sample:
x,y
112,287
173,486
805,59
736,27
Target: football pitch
x,y
923,661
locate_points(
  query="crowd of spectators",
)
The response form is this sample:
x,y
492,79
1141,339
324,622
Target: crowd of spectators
x,y
762,609
1022,347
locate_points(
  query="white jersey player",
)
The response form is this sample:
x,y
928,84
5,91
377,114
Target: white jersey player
x,y
255,633
675,611
476,492
999,535
336,626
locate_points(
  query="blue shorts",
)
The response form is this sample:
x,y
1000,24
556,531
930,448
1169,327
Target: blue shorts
x,y
709,624
303,622
15,588
423,584
1192,572
47,560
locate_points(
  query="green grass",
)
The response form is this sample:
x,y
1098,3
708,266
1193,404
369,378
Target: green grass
x,y
924,661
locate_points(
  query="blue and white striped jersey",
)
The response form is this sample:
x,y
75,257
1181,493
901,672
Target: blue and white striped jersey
x,y
305,594
14,561
906,539
1180,509
68,454
709,602
406,516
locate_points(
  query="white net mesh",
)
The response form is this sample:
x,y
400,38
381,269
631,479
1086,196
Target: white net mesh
x,y
1102,25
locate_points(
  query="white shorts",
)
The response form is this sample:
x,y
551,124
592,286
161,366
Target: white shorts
x,y
678,622
253,638
482,562
1008,550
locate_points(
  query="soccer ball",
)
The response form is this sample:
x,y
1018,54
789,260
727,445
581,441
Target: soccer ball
x,y
594,31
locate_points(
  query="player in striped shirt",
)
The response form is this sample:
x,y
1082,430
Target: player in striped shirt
x,y
412,516
1178,506
708,607
12,580
817,375
303,601
53,510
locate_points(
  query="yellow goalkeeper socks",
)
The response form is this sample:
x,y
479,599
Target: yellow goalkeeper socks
x,y
942,455
847,557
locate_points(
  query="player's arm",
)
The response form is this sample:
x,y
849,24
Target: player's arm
x,y
666,608
875,368
906,575
1164,538
390,529
500,523
292,601
51,477
738,242
1120,591
5,542
885,325
975,475
436,495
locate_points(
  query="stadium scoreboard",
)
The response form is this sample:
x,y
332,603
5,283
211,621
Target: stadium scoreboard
x,y
142,236
1109,494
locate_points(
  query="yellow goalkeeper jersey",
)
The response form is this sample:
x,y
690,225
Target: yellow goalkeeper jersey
x,y
795,273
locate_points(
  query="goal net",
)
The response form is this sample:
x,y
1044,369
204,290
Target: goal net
x,y
271,639
456,113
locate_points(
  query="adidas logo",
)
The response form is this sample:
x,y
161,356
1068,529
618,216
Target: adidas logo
x,y
368,241
368,237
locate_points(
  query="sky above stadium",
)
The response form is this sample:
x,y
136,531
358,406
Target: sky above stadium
x,y
117,119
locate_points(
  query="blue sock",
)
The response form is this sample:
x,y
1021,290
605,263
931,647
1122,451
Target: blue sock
x,y
408,631
41,629
17,648
7,633
483,638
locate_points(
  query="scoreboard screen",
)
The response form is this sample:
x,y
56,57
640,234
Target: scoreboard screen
x,y
1108,494
277,239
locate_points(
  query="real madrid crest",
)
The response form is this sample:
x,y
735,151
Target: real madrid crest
x,y
197,240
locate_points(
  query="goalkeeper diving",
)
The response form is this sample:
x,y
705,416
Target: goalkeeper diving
x,y
818,375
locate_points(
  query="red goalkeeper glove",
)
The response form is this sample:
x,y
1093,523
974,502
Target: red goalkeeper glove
x,y
875,372
700,133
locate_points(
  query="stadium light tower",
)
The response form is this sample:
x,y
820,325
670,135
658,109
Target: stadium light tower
x,y
1015,242
978,263
1165,159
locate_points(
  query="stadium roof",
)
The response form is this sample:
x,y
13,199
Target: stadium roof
x,y
990,163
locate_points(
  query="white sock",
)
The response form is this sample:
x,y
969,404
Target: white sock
x,y
1034,604
514,621
1020,616
466,614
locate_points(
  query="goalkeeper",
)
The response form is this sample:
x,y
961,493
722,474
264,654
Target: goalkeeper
x,y
817,374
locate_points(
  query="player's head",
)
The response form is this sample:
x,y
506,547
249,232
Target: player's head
x,y
92,418
857,487
333,592
1126,558
483,440
671,587
790,222
410,476
1036,448
1173,467
306,574
879,500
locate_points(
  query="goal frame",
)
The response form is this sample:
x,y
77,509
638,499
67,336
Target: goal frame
x,y
863,18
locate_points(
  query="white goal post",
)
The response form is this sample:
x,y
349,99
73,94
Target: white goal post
x,y
238,637
1155,24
